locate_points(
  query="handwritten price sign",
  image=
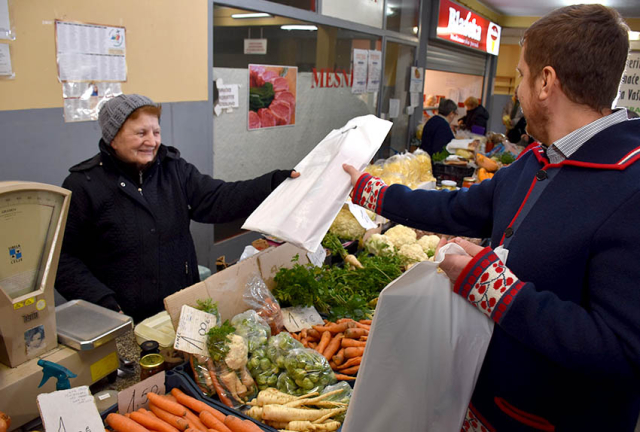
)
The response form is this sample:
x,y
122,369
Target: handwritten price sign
x,y
298,318
191,336
69,411
135,397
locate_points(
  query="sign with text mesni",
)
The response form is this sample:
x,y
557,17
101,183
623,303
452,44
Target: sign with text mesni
x,y
459,25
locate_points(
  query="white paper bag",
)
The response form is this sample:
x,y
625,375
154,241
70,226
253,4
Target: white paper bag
x,y
423,356
301,210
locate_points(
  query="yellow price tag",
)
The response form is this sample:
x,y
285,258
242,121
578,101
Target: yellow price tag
x,y
30,301
18,305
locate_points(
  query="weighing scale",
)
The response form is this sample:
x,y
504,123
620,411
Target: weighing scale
x,y
32,223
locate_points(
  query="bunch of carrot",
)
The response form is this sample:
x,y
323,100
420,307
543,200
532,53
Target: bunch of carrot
x,y
178,412
342,343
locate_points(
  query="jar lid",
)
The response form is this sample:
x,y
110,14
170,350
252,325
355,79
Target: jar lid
x,y
449,183
471,179
149,346
151,361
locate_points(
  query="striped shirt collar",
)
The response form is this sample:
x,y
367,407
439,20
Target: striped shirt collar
x,y
569,144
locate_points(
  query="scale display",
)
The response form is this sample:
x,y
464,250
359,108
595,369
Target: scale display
x,y
28,221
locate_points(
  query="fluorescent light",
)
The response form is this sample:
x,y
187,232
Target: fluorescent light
x,y
415,30
299,27
390,11
634,35
251,15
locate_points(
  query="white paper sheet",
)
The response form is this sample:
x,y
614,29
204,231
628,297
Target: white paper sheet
x,y
394,108
5,23
375,69
5,61
360,62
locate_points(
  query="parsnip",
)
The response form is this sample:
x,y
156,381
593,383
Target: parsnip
x,y
272,396
255,412
282,413
313,401
303,426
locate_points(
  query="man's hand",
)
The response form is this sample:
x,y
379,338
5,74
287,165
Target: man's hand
x,y
354,173
453,265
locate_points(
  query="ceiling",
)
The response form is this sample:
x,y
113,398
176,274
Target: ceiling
x,y
627,8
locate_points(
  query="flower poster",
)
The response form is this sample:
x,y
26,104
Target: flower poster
x,y
272,96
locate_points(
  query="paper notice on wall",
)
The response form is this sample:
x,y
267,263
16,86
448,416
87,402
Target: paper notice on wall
x,y
416,85
88,52
375,68
415,99
69,410
5,23
228,96
5,61
394,108
360,63
629,92
83,100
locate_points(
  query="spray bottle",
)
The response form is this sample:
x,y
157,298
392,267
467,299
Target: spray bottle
x,y
51,369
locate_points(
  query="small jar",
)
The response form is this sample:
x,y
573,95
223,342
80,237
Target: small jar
x,y
149,347
448,185
468,181
150,365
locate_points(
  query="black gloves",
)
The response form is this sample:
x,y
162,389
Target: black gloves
x,y
279,176
110,303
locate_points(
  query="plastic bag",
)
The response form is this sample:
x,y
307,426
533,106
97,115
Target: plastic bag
x,y
279,346
200,368
428,387
253,328
264,371
309,370
301,210
344,396
258,297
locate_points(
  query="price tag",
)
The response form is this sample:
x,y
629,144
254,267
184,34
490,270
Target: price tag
x,y
298,318
191,336
135,397
361,216
317,258
70,410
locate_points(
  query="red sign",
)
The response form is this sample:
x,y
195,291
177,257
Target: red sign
x,y
459,25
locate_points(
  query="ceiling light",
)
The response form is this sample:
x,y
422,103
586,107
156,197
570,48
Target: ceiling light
x,y
634,35
415,30
390,11
251,15
299,27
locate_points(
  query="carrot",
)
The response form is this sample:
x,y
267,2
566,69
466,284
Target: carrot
x,y
222,394
176,421
313,333
333,365
152,423
351,362
324,341
355,333
333,346
194,421
192,430
363,338
170,397
167,405
237,425
303,334
351,371
296,336
367,322
341,377
123,424
195,404
353,352
210,421
364,326
338,359
313,345
346,343
335,328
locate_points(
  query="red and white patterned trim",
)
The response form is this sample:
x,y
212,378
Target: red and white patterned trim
x,y
488,284
474,422
369,192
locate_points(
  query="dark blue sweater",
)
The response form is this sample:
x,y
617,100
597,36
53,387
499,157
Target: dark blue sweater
x,y
565,352
436,134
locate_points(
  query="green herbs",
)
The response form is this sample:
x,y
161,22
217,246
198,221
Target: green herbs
x,y
337,291
333,243
506,158
208,306
440,156
261,97
217,342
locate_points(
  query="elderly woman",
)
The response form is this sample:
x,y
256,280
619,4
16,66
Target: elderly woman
x,y
127,243
476,118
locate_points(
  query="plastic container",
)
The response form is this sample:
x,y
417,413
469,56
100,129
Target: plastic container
x,y
449,185
159,328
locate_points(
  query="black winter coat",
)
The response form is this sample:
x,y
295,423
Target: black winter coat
x,y
478,116
127,240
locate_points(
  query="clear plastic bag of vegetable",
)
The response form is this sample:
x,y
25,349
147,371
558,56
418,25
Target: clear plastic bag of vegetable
x,y
201,374
344,396
253,328
286,384
263,370
278,348
258,297
309,370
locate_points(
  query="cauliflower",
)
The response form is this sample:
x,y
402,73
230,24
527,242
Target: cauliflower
x,y
238,351
379,244
345,226
401,235
413,253
429,244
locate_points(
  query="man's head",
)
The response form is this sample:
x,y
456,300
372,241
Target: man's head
x,y
448,109
586,45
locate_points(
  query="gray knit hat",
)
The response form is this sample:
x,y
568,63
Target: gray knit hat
x,y
115,112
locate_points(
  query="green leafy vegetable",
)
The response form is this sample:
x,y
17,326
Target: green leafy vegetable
x,y
217,342
506,158
261,97
440,156
208,306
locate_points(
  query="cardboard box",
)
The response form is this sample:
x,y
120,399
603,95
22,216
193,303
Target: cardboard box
x,y
227,286
19,385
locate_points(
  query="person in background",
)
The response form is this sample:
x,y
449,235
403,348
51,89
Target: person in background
x,y
127,243
477,116
518,133
560,279
511,113
437,133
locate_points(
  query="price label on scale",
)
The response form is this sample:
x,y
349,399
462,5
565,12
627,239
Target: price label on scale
x,y
298,318
191,336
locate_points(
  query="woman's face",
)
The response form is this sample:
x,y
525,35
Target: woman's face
x,y
36,341
138,140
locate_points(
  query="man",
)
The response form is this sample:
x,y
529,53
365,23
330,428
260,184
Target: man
x,y
560,279
437,131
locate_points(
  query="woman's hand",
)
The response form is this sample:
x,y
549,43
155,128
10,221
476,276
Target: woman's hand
x,y
353,172
452,264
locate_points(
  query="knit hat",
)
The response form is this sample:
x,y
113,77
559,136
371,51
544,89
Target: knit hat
x,y
115,112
